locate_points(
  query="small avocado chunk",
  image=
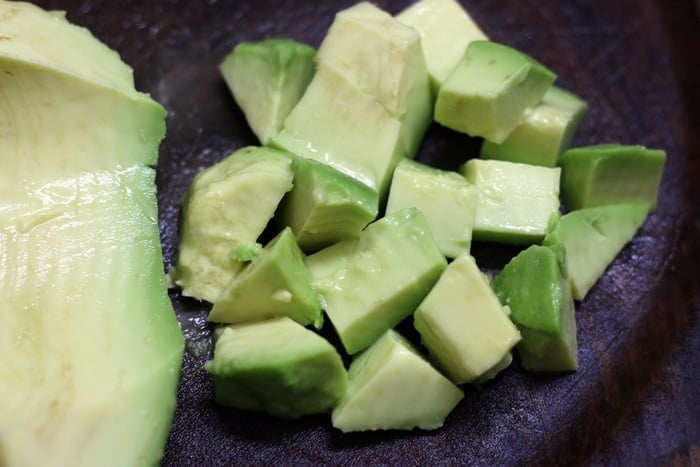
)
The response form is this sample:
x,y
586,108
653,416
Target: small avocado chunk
x,y
592,238
611,174
277,367
490,89
547,131
326,206
378,279
446,29
462,323
275,283
227,204
392,387
267,79
516,201
535,287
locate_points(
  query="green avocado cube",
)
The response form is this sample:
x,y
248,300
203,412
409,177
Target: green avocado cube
x,y
610,174
370,284
535,287
267,79
326,206
490,89
392,387
445,29
462,323
228,204
546,132
515,201
446,199
275,283
592,238
277,367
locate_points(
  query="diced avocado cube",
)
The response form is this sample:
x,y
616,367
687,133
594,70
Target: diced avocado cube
x,y
446,29
384,58
610,174
446,199
275,283
462,323
325,205
277,367
497,368
267,79
227,204
378,279
592,238
490,89
535,287
546,132
392,387
516,201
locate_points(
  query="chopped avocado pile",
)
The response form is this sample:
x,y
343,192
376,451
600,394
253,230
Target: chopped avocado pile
x,y
371,238
90,346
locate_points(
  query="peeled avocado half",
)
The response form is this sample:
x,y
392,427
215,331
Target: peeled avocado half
x,y
90,345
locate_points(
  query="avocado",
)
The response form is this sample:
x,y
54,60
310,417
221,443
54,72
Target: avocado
x,y
277,367
446,199
267,78
275,283
546,132
535,287
462,323
516,201
592,238
611,174
490,89
227,204
378,279
392,387
90,344
325,205
446,29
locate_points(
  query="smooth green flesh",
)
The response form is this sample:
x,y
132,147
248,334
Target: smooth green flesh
x,y
277,367
535,287
267,79
592,238
611,174
391,386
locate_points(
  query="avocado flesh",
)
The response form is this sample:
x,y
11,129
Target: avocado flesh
x,y
277,367
592,238
392,387
267,79
227,204
535,287
446,29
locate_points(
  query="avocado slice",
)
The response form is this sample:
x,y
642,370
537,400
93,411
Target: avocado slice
x,y
392,387
535,287
275,283
325,206
227,204
546,132
267,78
90,345
277,367
516,201
611,174
445,29
463,324
490,89
370,284
446,199
592,238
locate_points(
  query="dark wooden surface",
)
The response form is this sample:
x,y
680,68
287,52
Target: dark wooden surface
x,y
635,399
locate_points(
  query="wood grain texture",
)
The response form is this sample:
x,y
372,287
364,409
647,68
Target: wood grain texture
x,y
635,399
